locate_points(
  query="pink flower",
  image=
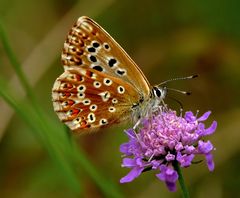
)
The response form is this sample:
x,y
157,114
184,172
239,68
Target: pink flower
x,y
163,140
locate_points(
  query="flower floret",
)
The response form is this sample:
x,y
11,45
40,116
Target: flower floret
x,y
166,139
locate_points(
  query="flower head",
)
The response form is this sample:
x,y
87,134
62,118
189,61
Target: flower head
x,y
166,139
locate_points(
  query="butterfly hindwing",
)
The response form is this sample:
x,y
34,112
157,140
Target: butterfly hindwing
x,y
88,99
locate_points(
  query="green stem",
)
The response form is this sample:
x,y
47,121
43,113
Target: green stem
x,y
15,63
185,193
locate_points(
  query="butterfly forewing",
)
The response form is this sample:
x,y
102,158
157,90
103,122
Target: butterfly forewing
x,y
88,44
100,84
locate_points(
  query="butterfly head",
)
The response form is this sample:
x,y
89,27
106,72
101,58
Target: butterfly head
x,y
159,92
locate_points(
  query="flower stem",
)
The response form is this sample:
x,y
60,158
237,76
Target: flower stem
x,y
181,180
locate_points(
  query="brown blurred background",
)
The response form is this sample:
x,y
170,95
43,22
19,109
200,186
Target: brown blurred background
x,y
167,40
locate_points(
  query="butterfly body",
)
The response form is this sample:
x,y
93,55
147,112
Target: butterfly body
x,y
101,85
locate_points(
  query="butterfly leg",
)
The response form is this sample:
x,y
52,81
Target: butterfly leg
x,y
137,124
150,159
164,105
151,118
162,108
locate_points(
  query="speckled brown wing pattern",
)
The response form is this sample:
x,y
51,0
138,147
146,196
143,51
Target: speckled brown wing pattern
x,y
100,83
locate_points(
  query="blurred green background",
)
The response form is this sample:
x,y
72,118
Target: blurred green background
x,y
167,40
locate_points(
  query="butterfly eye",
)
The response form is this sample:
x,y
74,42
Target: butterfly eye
x,y
157,92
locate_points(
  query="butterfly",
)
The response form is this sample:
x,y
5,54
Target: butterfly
x,y
101,85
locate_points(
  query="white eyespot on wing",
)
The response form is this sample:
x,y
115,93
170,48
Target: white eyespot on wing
x,y
69,112
107,81
121,72
93,107
92,58
114,100
81,88
64,104
105,95
98,68
81,95
106,46
112,62
96,44
120,89
71,77
97,84
91,117
103,121
77,120
86,101
111,109
91,49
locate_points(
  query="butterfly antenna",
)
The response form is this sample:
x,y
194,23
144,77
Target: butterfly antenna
x,y
177,101
179,91
181,78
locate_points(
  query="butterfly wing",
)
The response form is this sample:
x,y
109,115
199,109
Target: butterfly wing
x,y
89,99
101,82
89,45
